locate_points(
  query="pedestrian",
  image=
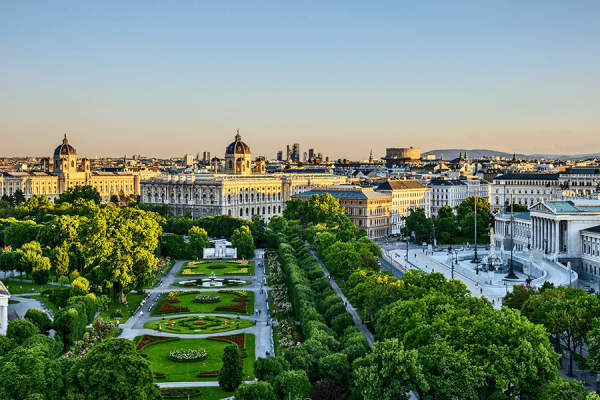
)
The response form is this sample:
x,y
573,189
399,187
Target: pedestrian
x,y
255,279
493,303
259,312
481,290
141,313
256,311
159,329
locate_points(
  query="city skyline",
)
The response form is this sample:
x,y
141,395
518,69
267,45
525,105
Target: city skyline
x,y
161,79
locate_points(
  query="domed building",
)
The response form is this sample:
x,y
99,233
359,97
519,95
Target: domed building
x,y
238,159
65,157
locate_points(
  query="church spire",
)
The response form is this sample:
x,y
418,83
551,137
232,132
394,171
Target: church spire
x,y
371,156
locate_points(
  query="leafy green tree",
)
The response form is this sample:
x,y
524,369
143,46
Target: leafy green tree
x,y
517,208
321,207
255,391
79,192
518,296
389,372
342,259
173,246
35,206
563,389
335,368
41,271
17,233
295,210
40,319
198,241
244,243
9,261
80,287
19,197
61,232
21,329
417,222
29,255
327,390
445,212
294,382
120,244
6,345
231,373
52,348
113,370
266,369
257,228
468,206
61,263
70,323
89,301
467,225
27,372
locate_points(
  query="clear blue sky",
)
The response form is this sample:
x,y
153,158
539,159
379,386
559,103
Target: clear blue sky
x,y
166,78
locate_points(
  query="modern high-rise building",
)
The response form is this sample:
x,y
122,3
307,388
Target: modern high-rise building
x,y
311,154
280,156
289,153
296,152
188,160
305,158
206,157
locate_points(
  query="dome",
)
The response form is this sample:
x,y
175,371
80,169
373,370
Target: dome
x,y
65,149
237,147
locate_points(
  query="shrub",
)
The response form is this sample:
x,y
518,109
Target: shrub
x,y
206,299
21,329
187,355
39,319
159,375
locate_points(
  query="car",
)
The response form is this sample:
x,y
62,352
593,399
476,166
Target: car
x,y
590,291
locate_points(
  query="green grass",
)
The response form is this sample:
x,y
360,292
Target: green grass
x,y
199,287
205,269
133,301
276,341
186,325
152,284
26,286
208,393
187,300
13,302
158,356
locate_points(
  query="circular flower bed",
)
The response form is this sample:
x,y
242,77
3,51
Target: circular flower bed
x,y
188,355
206,299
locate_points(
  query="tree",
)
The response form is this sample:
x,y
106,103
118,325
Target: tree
x,y
41,271
27,373
467,224
266,369
61,264
518,296
389,372
198,241
70,323
468,206
417,222
321,207
21,329
40,319
113,370
294,382
80,287
29,255
19,197
342,259
563,389
295,210
17,233
120,244
517,208
445,212
173,246
335,368
79,192
244,243
8,261
255,391
231,372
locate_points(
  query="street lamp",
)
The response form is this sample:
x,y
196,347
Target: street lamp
x,y
475,258
545,246
528,238
451,260
511,273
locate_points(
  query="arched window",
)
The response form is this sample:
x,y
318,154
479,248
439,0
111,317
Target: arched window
x,y
230,164
241,212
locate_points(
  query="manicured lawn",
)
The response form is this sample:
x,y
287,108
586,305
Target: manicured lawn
x,y
13,302
219,267
208,393
158,356
187,300
200,287
14,285
276,340
186,325
133,301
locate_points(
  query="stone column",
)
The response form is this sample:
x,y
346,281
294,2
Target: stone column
x,y
557,239
534,235
3,319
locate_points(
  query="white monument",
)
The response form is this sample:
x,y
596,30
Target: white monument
x,y
4,296
221,250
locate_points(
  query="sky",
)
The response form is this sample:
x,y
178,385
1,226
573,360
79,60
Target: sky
x,y
168,78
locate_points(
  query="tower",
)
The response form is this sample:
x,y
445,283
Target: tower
x,y
238,158
65,158
371,156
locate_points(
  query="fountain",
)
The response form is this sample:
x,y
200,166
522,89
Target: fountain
x,y
212,279
492,260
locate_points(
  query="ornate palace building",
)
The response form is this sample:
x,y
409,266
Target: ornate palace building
x,y
243,191
65,171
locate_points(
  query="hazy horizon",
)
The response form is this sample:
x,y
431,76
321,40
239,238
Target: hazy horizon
x,y
164,79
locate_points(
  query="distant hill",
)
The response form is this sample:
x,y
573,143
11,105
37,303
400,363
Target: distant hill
x,y
450,154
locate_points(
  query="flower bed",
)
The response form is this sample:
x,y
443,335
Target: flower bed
x,y
239,292
192,263
187,355
199,323
180,393
173,329
238,272
239,339
149,339
206,299
241,262
205,374
159,375
173,299
167,307
235,307
188,271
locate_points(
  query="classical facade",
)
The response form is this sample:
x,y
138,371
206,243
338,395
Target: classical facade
x,y
406,195
242,193
527,188
367,209
453,192
520,222
65,171
4,296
